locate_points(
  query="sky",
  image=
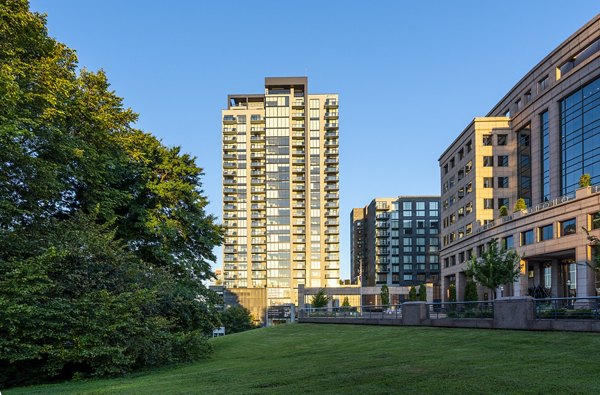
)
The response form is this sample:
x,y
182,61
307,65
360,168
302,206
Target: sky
x,y
410,75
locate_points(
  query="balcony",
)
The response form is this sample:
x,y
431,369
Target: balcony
x,y
229,181
229,173
299,240
300,248
256,119
298,143
382,206
229,207
257,164
229,165
382,234
299,161
299,187
299,257
330,152
332,161
331,196
258,173
298,126
258,267
332,179
257,139
229,199
257,215
229,147
299,230
257,155
332,125
331,143
332,231
297,196
229,119
257,147
382,242
332,240
255,206
229,190
229,130
298,152
229,216
298,103
331,222
259,258
331,134
332,187
383,216
382,251
331,103
258,198
332,205
257,129
332,249
332,213
298,205
229,156
258,232
256,181
297,115
258,224
299,213
331,114
332,170
297,134
298,169
298,179
383,269
229,139
299,274
382,225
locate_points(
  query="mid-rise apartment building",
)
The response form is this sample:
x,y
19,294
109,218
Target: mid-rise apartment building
x,y
533,145
280,192
395,241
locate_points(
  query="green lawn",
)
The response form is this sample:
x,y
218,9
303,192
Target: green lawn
x,y
348,359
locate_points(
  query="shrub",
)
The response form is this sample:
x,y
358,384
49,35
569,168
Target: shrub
x,y
585,180
412,294
503,211
520,205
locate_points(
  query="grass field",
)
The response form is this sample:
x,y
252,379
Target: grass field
x,y
348,359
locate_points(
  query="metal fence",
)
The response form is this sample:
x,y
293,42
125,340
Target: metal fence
x,y
479,309
568,308
371,311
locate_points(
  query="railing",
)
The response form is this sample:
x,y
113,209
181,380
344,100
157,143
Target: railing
x,y
479,309
373,311
568,308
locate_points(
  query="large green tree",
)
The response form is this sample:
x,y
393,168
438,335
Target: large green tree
x,y
104,238
495,267
237,319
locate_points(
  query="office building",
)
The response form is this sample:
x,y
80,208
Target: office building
x,y
395,241
280,192
534,144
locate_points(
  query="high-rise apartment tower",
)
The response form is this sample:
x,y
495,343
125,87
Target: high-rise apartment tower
x,y
280,192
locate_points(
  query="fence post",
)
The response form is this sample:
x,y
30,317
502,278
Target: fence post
x,y
514,312
414,313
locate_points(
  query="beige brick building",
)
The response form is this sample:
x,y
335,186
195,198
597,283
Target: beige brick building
x,y
280,193
534,144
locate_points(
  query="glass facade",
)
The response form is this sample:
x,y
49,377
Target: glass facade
x,y
545,141
524,168
580,136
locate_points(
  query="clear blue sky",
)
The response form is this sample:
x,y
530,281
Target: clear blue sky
x,y
410,75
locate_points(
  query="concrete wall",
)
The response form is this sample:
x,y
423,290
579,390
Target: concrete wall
x,y
509,313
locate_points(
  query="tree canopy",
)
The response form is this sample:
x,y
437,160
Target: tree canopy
x,y
495,267
104,238
320,299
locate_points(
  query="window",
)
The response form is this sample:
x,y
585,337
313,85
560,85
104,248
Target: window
x,y
461,154
527,237
543,83
488,182
488,161
568,227
548,276
519,104
502,182
487,139
546,232
508,243
501,139
488,203
595,221
452,163
545,163
503,202
445,169
469,146
528,96
468,167
502,161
